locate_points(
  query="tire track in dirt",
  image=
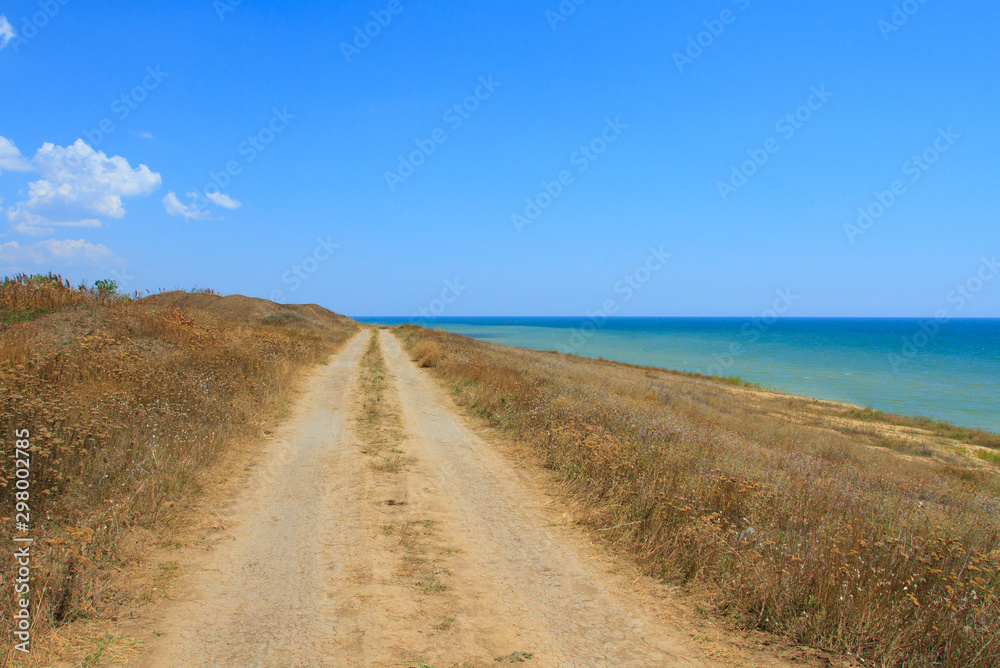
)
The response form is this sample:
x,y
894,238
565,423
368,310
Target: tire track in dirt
x,y
429,613
517,577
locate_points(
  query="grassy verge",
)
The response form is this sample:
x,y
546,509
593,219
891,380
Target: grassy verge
x,y
802,523
415,542
128,404
378,422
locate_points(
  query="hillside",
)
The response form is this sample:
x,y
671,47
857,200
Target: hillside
x,y
236,308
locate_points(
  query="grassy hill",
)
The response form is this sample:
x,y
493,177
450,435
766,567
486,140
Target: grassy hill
x,y
236,308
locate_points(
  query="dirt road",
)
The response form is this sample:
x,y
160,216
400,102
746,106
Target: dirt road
x,y
263,596
434,551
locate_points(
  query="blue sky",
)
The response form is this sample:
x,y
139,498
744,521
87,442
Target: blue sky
x,y
584,136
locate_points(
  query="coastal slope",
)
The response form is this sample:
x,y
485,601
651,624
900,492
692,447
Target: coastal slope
x,y
827,524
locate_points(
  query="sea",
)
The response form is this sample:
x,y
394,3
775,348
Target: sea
x,y
915,367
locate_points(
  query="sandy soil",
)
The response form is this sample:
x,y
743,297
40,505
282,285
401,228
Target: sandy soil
x,y
450,558
266,593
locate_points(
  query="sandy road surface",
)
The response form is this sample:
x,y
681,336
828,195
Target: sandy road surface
x,y
465,566
264,595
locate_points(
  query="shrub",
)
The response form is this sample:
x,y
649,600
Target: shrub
x,y
106,287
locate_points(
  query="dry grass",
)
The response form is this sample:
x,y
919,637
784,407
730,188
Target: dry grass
x,y
974,436
128,403
804,520
378,421
379,426
426,353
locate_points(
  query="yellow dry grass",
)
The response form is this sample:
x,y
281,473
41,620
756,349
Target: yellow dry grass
x,y
809,519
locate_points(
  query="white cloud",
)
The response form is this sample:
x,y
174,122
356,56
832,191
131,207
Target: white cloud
x,y
76,251
78,177
146,135
176,208
54,254
78,187
10,157
77,181
6,31
223,200
26,222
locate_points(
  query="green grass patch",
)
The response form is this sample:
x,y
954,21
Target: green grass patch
x,y
992,457
11,317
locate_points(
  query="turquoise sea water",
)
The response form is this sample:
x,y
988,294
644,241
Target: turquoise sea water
x,y
913,367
